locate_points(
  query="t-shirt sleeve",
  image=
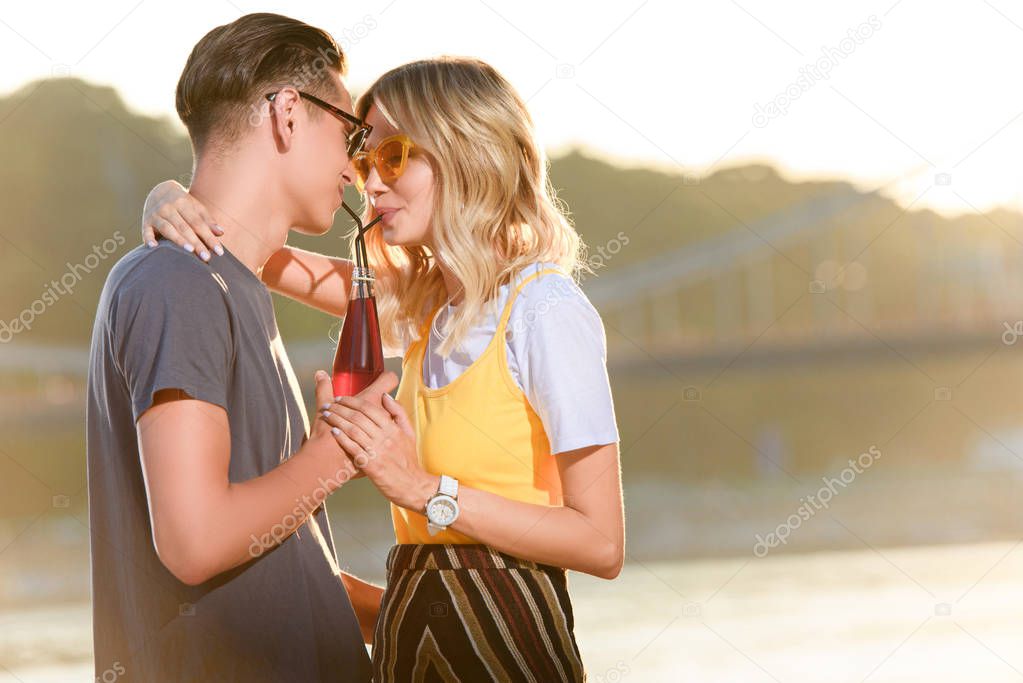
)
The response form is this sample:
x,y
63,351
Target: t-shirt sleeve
x,y
174,334
559,353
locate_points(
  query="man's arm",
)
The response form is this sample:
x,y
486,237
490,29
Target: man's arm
x,y
202,523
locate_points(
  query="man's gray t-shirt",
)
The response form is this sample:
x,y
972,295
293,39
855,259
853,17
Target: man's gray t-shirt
x,y
166,320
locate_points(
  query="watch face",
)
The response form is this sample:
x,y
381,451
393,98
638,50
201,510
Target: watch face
x,y
442,511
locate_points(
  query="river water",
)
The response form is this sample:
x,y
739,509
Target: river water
x,y
929,613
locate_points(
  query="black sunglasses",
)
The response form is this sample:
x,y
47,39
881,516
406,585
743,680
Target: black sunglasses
x,y
357,138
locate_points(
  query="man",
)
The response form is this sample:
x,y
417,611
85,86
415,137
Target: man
x,y
212,556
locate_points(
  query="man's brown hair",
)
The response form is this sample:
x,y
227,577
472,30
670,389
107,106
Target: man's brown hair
x,y
229,71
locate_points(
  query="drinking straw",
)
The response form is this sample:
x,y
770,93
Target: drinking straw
x,y
361,257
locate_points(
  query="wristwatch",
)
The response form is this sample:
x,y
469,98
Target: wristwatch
x,y
442,508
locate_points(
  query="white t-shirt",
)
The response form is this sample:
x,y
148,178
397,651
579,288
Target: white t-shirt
x,y
557,354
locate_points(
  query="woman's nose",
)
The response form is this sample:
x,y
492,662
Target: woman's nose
x,y
374,186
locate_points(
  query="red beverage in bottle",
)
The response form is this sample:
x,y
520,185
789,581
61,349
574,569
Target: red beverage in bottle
x,y
360,358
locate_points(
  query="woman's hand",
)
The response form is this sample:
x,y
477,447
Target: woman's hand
x,y
381,442
181,218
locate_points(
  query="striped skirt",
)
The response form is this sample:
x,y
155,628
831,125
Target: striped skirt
x,y
468,613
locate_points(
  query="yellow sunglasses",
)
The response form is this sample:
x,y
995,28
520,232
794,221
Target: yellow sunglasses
x,y
389,157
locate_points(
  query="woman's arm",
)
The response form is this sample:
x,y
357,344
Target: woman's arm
x,y
316,280
586,534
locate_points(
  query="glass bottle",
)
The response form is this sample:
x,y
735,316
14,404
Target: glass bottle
x,y
360,358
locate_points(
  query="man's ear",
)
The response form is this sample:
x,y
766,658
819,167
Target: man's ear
x,y
283,112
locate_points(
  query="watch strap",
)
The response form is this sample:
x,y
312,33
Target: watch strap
x,y
448,486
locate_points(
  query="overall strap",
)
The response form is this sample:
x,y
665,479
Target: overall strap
x,y
424,327
514,295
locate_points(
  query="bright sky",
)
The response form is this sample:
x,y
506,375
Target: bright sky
x,y
924,89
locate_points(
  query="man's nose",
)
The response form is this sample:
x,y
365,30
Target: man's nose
x,y
348,175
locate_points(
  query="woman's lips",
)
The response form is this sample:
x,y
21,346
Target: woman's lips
x,y
386,215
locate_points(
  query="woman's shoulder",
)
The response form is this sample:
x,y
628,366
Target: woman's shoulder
x,y
552,298
550,280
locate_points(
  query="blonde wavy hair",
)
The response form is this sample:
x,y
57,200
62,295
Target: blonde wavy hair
x,y
494,211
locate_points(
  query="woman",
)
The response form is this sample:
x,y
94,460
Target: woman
x,y
500,454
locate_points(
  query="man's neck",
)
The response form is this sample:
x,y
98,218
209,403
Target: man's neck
x,y
244,203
